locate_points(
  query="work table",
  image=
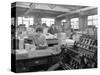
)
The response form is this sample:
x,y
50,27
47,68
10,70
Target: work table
x,y
27,54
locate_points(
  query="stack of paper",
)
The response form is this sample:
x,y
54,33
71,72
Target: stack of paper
x,y
70,42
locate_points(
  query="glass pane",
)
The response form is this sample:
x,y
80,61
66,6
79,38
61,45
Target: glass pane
x,y
89,22
31,18
19,18
72,23
63,20
89,17
31,22
95,17
75,23
95,22
75,27
48,21
72,20
26,23
43,22
24,18
20,22
52,20
43,19
75,19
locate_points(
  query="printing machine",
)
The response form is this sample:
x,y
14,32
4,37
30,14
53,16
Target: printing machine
x,y
82,55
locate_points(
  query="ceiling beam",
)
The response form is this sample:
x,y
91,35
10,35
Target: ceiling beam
x,y
77,11
45,7
46,11
32,6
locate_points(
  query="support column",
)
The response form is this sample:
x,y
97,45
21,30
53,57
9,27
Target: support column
x,y
68,22
57,21
37,20
82,22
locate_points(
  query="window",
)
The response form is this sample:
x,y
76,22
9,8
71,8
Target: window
x,y
62,21
75,23
27,21
48,21
31,21
20,20
93,20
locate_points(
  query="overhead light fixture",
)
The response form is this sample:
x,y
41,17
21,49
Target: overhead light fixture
x,y
51,6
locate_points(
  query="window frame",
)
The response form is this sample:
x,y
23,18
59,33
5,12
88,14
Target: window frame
x,y
23,20
93,18
74,22
46,20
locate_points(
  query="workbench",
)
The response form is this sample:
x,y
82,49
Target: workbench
x,y
35,60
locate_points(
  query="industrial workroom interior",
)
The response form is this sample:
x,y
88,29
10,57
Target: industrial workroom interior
x,y
51,37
